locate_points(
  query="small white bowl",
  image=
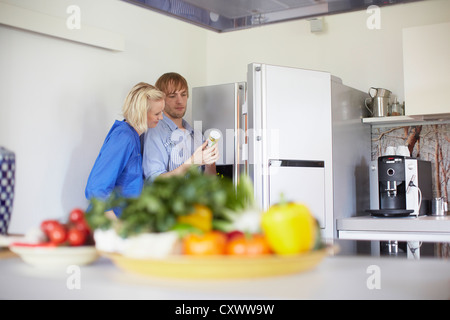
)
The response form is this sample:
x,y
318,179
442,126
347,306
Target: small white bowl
x,y
56,257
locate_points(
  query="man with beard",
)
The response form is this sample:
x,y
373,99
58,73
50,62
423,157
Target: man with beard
x,y
171,148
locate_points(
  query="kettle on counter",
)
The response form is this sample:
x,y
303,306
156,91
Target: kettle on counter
x,y
378,103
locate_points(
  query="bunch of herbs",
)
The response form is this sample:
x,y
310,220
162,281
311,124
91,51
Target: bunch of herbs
x,y
166,198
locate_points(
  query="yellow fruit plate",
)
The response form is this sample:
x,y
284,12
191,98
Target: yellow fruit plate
x,y
219,267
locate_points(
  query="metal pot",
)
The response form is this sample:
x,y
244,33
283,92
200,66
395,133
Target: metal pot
x,y
378,103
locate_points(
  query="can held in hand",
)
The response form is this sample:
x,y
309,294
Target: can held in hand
x,y
214,136
7,182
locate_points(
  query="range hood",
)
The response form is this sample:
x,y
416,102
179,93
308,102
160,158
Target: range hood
x,y
229,15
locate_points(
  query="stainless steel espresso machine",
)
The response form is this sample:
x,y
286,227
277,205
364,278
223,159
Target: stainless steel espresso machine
x,y
400,186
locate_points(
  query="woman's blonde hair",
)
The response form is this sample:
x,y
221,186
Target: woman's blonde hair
x,y
137,104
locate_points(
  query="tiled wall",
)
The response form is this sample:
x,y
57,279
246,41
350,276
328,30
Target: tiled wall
x,y
426,142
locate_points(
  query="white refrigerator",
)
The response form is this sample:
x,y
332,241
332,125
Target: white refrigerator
x,y
298,134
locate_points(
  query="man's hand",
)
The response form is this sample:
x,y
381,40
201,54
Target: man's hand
x,y
204,155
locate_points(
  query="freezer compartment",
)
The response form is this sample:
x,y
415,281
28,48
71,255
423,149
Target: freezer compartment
x,y
300,181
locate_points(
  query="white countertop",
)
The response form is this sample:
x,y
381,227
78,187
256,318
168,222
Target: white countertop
x,y
337,277
422,228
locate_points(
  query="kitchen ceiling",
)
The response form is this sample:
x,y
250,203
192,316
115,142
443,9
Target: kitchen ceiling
x,y
229,15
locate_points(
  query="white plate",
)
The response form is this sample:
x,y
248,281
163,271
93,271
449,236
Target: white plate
x,y
54,257
7,240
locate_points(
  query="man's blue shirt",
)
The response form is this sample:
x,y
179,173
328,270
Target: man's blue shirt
x,y
166,147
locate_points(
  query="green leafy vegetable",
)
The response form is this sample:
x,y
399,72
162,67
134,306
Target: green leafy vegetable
x,y
161,202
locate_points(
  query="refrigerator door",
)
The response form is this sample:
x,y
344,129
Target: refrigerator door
x,y
222,107
290,118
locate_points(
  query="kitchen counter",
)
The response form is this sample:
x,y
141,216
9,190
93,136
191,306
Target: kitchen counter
x,y
337,277
422,228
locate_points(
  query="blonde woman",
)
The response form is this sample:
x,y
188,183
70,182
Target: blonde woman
x,y
119,163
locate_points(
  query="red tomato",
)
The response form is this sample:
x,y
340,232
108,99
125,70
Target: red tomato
x,y
76,215
82,226
232,234
209,243
58,234
76,237
250,245
48,225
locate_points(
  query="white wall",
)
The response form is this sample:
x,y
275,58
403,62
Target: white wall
x,y
59,98
347,48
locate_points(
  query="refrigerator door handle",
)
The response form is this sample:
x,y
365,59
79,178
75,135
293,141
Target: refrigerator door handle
x,y
244,108
297,163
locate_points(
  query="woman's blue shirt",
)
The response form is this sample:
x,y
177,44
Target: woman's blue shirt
x,y
118,165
